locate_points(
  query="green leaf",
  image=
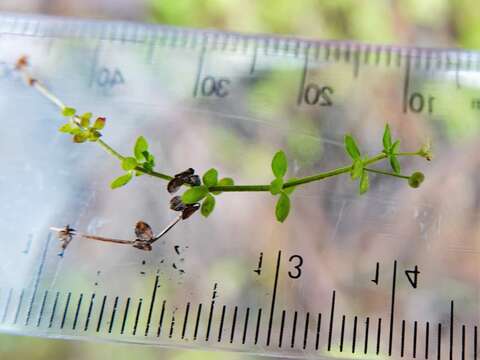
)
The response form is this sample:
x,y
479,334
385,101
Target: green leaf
x,y
85,119
226,182
129,163
80,137
364,183
141,146
223,182
351,147
276,186
149,160
290,189
357,169
99,123
121,180
207,205
68,111
76,130
210,178
395,164
395,146
279,164
67,128
387,139
194,194
283,207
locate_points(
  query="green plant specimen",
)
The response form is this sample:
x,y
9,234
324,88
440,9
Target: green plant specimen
x,y
201,192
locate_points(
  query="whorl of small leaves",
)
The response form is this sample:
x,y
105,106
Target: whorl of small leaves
x,y
279,169
79,126
358,164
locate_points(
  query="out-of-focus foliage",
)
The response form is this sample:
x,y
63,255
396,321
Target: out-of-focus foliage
x,y
429,22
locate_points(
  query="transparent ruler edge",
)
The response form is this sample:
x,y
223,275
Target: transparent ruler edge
x,y
356,53
154,35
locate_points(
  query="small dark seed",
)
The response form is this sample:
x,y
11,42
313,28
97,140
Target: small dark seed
x,y
143,231
174,184
176,204
190,210
193,180
185,173
142,245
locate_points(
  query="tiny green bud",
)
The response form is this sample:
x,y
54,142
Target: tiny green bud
x,y
80,137
85,119
416,179
426,151
99,123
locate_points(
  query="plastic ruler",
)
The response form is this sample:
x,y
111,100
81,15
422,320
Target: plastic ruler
x,y
390,274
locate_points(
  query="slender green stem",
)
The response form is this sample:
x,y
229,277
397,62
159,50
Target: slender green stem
x,y
331,173
387,173
235,188
227,188
305,180
110,150
154,173
412,153
42,89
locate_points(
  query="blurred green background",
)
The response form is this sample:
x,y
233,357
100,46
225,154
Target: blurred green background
x,y
432,23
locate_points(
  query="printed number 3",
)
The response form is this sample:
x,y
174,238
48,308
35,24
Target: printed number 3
x,y
298,267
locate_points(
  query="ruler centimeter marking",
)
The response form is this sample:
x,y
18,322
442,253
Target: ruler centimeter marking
x,y
392,308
